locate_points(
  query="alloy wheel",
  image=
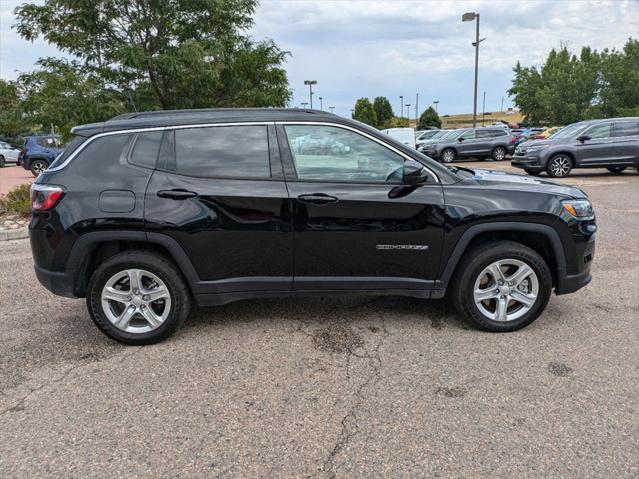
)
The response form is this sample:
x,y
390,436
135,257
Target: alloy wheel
x,y
448,156
560,166
136,301
38,167
506,290
499,154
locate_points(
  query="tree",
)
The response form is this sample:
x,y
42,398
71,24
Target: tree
x,y
171,53
10,121
619,94
429,118
365,112
383,110
396,122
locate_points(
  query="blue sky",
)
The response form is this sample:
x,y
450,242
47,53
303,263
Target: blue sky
x,y
356,48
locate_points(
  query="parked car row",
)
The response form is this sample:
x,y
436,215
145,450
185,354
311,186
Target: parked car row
x,y
611,143
487,142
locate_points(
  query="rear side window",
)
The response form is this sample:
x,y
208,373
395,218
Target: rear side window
x,y
498,132
70,148
626,128
146,148
223,152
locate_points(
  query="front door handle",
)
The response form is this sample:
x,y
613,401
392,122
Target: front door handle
x,y
317,199
176,194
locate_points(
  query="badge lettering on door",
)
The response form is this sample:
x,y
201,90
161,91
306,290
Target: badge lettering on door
x,y
417,247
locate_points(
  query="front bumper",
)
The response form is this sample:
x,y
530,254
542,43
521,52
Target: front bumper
x,y
531,163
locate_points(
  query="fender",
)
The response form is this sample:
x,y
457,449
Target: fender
x,y
470,233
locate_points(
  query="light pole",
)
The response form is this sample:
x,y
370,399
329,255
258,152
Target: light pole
x,y
483,110
408,113
436,102
310,84
416,107
321,104
469,17
304,103
332,108
401,108
352,112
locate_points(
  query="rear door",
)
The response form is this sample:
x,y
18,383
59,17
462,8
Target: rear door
x,y
219,192
355,226
625,136
467,143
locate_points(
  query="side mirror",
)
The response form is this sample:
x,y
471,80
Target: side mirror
x,y
583,138
460,139
414,173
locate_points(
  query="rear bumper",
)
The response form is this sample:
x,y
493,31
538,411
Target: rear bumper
x,y
60,283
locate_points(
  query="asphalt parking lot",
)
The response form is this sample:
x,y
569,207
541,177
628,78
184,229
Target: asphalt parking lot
x,y
381,387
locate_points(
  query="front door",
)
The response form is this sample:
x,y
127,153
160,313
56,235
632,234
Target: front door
x,y
355,225
219,193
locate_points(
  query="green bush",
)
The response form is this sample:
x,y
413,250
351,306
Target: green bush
x,y
18,200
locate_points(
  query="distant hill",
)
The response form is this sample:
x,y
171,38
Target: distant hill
x,y
466,119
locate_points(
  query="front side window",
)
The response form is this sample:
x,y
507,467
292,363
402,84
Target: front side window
x,y
599,131
626,128
469,135
223,152
329,153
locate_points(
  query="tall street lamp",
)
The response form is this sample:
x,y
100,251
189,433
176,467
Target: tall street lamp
x,y
304,103
469,17
416,107
332,108
436,102
483,110
401,108
408,113
321,104
352,112
310,84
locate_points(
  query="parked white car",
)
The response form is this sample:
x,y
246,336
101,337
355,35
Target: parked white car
x,y
8,154
404,135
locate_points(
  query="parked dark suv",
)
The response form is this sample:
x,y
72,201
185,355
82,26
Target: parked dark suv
x,y
148,213
38,152
491,142
612,144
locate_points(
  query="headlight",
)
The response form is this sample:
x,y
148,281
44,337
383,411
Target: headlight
x,y
535,147
579,208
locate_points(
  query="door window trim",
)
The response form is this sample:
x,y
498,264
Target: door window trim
x,y
289,155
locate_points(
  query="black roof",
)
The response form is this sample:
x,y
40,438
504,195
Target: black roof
x,y
149,119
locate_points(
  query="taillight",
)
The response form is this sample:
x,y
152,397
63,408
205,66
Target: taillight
x,y
45,197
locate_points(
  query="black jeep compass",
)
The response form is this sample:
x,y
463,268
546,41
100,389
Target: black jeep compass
x,y
148,213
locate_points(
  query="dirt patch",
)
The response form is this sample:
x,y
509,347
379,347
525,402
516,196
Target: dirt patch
x,y
559,369
451,392
337,338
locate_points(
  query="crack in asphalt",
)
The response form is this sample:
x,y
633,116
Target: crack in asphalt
x,y
349,423
19,403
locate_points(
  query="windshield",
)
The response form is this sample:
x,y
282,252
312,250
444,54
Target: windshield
x,y
569,131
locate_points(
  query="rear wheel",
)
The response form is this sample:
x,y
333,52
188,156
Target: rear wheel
x,y
501,286
559,166
448,155
499,153
38,166
137,297
616,169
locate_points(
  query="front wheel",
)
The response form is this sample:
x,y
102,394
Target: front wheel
x,y
501,286
499,153
138,297
559,166
616,169
448,155
38,166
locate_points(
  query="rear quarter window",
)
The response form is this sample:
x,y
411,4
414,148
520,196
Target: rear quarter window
x,y
70,148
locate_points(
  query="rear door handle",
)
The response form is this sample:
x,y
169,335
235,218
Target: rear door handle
x,y
176,194
317,199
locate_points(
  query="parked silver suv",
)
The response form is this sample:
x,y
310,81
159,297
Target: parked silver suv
x,y
480,143
612,143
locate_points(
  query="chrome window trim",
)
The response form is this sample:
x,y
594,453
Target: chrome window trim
x,y
360,132
154,128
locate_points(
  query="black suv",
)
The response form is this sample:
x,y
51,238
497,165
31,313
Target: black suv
x,y
611,144
148,213
490,142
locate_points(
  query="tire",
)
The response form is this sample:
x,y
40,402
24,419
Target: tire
x,y
533,173
471,273
559,166
159,277
447,155
38,166
616,169
2,161
498,153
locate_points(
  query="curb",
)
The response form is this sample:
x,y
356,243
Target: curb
x,y
7,235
